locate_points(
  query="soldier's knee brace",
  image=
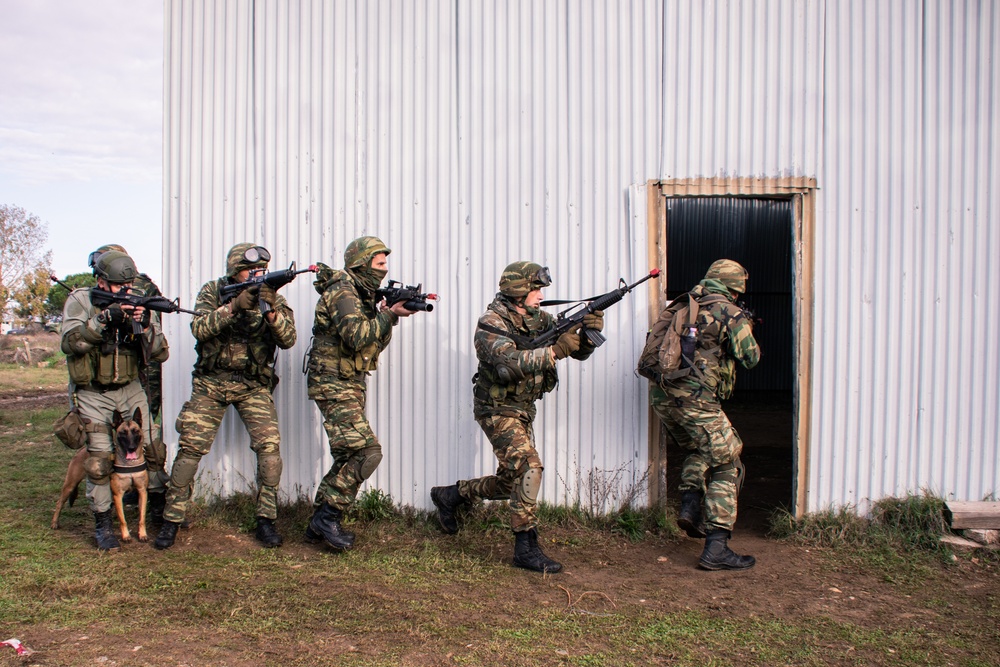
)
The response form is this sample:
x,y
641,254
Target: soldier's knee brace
x,y
529,485
269,468
731,473
370,458
98,468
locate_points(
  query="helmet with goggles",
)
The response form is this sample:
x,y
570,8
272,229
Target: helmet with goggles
x,y
115,267
520,278
246,256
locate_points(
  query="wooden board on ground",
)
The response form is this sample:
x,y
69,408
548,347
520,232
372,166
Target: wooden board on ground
x,y
973,514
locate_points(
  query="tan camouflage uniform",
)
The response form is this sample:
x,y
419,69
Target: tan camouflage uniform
x,y
690,408
235,366
104,362
349,334
506,410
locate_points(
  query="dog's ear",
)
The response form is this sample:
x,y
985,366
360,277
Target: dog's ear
x,y
137,417
116,419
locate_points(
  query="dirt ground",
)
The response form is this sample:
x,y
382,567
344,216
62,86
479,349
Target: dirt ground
x,y
605,575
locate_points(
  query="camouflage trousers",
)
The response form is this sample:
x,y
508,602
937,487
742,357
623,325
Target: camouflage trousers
x,y
98,406
355,450
712,467
519,473
198,423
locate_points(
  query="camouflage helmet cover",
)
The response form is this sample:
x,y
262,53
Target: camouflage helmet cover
x,y
236,259
519,278
360,251
729,273
115,267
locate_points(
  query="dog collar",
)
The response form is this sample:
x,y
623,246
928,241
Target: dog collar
x,y
124,470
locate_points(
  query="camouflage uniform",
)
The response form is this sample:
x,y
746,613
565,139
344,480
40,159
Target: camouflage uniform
x,y
690,407
235,366
349,334
506,410
104,360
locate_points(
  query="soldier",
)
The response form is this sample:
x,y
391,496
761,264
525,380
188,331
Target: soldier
x,y
150,377
104,357
236,347
511,377
690,409
350,331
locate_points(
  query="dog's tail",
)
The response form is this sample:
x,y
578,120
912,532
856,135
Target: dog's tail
x,y
73,494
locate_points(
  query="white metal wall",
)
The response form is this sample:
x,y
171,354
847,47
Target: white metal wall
x,y
468,135
907,244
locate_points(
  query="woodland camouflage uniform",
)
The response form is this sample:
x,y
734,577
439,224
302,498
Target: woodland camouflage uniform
x,y
511,377
691,411
104,359
235,366
349,334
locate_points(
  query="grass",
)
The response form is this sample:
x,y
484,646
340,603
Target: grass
x,y
410,596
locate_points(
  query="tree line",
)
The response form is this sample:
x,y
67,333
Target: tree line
x,y
27,292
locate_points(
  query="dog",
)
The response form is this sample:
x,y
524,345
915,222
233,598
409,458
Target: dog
x,y
70,488
129,469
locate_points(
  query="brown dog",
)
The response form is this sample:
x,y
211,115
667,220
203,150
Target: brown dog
x,y
129,469
74,475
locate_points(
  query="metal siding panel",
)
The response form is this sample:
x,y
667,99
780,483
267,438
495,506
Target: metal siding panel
x,y
471,134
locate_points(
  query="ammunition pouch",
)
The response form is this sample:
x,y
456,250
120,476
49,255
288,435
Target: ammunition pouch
x,y
71,429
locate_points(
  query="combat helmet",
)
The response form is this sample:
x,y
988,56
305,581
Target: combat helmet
x,y
246,256
729,273
360,251
92,258
115,267
519,278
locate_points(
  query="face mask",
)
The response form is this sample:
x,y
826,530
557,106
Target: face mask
x,y
369,278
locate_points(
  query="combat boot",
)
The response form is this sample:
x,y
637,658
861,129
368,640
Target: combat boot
x,y
266,533
155,504
718,556
529,555
689,518
325,525
447,500
168,533
104,534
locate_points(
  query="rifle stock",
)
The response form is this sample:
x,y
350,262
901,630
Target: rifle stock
x,y
275,279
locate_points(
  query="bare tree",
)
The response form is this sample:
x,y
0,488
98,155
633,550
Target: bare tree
x,y
22,240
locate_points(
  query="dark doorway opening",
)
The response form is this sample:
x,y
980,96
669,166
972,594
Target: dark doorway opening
x,y
757,233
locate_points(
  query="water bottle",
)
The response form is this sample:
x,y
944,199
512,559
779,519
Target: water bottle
x,y
689,340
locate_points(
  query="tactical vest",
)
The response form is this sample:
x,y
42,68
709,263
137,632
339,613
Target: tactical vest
x,y
329,357
492,389
115,361
246,351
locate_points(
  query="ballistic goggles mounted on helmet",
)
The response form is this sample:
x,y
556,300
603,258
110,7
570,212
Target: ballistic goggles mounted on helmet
x,y
542,278
256,254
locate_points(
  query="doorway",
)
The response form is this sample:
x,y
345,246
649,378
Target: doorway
x,y
766,227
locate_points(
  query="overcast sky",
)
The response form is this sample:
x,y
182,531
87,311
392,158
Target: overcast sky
x,y
81,89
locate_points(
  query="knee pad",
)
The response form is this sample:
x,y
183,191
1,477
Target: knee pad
x,y
269,468
370,458
727,472
98,468
528,486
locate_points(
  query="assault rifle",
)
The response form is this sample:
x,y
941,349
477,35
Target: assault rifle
x,y
136,299
395,292
750,314
572,318
275,279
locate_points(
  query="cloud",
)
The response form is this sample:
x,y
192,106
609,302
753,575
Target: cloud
x,y
82,87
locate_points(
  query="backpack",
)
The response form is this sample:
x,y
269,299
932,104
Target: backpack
x,y
670,345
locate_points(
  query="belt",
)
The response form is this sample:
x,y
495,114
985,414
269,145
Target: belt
x,y
102,388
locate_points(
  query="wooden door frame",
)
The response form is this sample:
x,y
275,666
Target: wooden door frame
x,y
801,192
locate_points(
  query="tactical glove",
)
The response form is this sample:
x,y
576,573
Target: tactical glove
x,y
113,314
567,344
268,295
245,300
594,320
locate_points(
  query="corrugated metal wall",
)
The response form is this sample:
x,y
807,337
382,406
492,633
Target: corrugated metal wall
x,y
471,134
906,357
